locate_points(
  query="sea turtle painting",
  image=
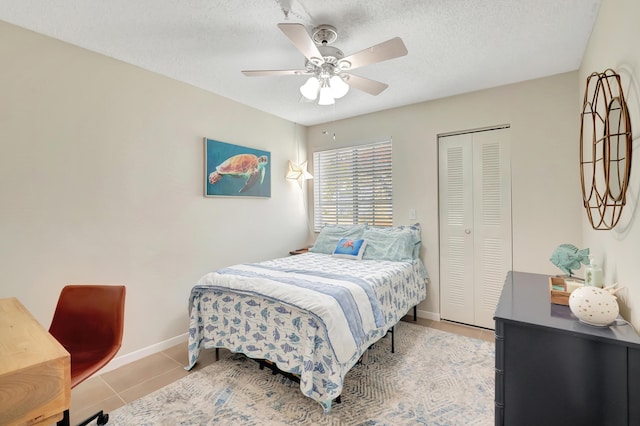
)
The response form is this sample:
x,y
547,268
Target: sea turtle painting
x,y
245,166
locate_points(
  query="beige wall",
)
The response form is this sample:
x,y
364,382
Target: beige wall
x,y
102,178
614,44
546,198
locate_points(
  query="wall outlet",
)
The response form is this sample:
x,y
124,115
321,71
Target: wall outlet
x,y
412,214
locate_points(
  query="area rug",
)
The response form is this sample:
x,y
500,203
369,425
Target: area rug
x,y
434,378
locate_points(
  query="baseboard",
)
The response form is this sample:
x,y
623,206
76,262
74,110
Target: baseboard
x,y
119,361
428,315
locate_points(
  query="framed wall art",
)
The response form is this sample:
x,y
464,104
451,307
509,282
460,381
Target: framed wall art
x,y
235,171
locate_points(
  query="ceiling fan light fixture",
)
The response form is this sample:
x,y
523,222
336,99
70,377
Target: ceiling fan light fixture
x,y
338,87
344,65
329,69
310,89
326,97
316,61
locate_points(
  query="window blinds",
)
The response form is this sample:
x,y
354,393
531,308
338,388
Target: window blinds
x,y
353,185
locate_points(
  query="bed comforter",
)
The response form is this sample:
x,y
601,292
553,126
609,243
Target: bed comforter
x,y
312,315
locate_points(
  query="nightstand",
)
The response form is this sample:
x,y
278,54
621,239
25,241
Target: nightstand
x,y
299,251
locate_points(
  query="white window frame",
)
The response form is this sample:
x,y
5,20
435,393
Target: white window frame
x,y
354,185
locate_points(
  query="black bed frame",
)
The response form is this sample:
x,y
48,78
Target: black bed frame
x,y
393,329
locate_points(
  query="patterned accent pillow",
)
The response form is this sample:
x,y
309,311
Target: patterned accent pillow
x,y
417,239
331,234
350,249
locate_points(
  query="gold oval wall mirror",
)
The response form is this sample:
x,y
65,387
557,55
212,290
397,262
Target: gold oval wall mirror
x,y
605,149
617,161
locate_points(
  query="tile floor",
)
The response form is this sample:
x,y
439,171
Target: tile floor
x,y
116,388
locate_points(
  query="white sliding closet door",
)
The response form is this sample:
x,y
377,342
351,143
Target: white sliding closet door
x,y
475,224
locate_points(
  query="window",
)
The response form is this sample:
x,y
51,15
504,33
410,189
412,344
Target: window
x,y
353,185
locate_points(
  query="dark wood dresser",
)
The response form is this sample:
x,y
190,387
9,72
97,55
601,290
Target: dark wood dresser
x,y
552,369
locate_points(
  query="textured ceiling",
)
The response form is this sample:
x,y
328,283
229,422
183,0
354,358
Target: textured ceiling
x,y
455,46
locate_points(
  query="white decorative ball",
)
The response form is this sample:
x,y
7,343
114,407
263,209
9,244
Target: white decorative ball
x,y
594,306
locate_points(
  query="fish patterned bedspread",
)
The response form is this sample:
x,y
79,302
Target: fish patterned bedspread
x,y
312,315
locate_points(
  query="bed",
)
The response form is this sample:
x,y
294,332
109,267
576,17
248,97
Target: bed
x,y
312,315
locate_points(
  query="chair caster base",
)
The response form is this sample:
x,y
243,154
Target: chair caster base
x,y
103,419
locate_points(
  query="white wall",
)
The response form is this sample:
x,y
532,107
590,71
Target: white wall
x,y
614,44
545,178
102,178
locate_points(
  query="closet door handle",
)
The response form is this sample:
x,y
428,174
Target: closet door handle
x,y
467,231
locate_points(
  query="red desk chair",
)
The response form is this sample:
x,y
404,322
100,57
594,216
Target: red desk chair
x,y
88,322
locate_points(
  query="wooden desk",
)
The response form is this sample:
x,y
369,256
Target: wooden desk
x,y
35,370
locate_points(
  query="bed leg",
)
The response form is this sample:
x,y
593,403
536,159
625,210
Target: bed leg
x,y
393,339
415,313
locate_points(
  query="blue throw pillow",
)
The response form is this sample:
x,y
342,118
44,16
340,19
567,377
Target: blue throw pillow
x,y
350,249
331,234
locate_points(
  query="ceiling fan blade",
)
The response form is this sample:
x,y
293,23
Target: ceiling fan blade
x,y
268,73
372,87
384,51
301,40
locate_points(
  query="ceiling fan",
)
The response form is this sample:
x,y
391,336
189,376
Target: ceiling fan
x,y
328,68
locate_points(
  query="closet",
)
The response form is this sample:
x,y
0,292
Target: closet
x,y
475,223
